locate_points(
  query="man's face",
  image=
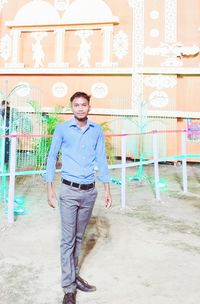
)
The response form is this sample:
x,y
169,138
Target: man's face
x,y
80,108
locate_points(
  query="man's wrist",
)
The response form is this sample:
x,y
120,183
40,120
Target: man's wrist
x,y
49,185
107,187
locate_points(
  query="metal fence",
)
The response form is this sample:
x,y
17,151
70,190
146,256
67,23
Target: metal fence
x,y
15,170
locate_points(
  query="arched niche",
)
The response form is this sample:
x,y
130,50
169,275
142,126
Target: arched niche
x,y
88,11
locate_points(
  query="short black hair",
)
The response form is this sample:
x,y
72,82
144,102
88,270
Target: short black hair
x,y
80,94
4,102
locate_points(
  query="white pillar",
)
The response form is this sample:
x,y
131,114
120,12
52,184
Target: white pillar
x,y
107,50
170,27
123,171
15,50
59,50
184,162
170,21
11,191
138,26
156,167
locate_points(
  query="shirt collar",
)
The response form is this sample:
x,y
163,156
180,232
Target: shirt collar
x,y
72,123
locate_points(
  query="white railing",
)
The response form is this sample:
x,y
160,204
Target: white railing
x,y
122,166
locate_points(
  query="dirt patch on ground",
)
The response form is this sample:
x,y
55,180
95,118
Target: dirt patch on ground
x,y
147,253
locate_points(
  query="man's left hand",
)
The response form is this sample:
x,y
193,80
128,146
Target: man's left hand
x,y
108,200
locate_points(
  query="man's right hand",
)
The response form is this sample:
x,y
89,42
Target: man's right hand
x,y
51,195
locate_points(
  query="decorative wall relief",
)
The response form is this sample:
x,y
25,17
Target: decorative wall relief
x,y
154,15
38,52
158,99
170,21
173,52
160,81
5,47
85,47
99,90
154,33
61,5
171,34
120,44
59,89
189,50
138,8
138,54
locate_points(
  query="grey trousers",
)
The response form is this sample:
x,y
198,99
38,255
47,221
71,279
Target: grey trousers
x,y
75,211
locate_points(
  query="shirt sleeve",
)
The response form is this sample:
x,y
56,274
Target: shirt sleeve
x,y
101,159
53,153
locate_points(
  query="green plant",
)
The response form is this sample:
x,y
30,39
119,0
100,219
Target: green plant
x,y
49,123
44,143
108,142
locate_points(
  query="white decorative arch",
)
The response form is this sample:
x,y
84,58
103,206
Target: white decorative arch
x,y
36,12
88,11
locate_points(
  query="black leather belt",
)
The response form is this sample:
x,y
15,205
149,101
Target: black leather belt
x,y
79,186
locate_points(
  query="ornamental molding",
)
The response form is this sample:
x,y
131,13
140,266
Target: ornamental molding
x,y
173,62
168,70
99,90
151,113
174,52
158,99
137,50
154,14
176,49
66,71
59,89
61,5
138,32
154,33
5,47
170,21
160,82
120,44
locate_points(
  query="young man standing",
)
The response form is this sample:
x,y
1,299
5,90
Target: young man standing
x,y
82,144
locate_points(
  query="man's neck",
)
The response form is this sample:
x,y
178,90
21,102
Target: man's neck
x,y
81,122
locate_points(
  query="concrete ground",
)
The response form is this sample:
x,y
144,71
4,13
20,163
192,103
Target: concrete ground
x,y
148,253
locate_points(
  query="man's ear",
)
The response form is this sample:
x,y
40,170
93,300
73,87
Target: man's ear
x,y
89,108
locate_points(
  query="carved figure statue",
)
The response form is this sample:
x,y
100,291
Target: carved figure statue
x,y
85,47
38,52
84,53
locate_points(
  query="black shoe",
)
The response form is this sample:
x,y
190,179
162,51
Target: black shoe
x,y
69,298
83,285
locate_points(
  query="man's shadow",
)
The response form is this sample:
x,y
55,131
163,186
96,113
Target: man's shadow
x,y
97,229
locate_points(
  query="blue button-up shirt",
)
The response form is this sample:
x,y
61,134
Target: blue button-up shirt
x,y
82,150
